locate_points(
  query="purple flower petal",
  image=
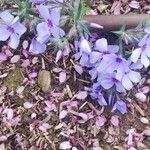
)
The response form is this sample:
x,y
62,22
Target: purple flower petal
x,y
7,17
14,41
36,47
3,57
58,55
78,68
62,77
115,121
134,4
44,12
4,33
121,106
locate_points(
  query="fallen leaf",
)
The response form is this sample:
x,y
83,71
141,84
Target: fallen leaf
x,y
44,80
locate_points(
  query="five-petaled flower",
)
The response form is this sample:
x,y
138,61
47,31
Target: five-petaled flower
x,y
50,25
11,27
143,51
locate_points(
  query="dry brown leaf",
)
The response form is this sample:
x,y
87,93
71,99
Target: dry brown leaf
x,y
44,80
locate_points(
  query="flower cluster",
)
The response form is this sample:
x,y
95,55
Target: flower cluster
x,y
109,70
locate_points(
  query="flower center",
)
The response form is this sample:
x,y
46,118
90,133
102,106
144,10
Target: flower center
x,y
49,23
106,52
10,29
114,80
144,47
118,60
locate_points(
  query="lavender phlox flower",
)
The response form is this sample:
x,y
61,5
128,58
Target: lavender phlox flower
x,y
84,52
109,80
121,106
111,63
130,77
50,25
36,47
11,27
95,93
102,48
142,52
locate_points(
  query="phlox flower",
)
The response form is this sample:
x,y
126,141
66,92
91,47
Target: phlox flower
x,y
113,63
50,25
11,27
142,52
109,80
95,93
36,47
102,48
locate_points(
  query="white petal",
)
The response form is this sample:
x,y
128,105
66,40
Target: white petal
x,y
134,76
4,33
126,82
135,55
7,17
65,145
84,46
101,45
144,60
14,41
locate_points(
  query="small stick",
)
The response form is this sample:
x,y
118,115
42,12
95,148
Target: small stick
x,y
112,22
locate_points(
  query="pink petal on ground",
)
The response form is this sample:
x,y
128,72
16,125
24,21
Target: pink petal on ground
x,y
27,105
62,77
3,138
58,56
20,89
9,112
115,121
25,44
63,114
66,51
117,9
145,89
134,4
32,75
15,59
81,95
25,53
78,68
25,63
100,121
3,57
65,145
8,53
140,96
44,127
83,116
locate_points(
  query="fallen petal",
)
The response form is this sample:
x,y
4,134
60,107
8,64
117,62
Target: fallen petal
x,y
27,105
15,59
65,145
